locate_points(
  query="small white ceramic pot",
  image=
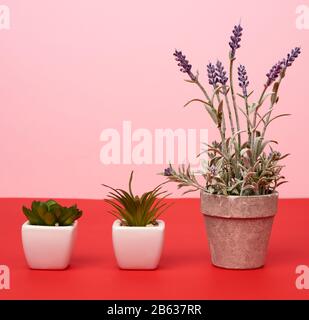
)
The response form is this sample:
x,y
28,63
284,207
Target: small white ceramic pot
x,y
138,247
48,247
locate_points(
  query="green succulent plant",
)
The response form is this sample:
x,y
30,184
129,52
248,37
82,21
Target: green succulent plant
x,y
51,213
134,210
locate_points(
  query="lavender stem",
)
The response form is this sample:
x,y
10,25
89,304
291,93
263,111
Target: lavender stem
x,y
234,102
270,109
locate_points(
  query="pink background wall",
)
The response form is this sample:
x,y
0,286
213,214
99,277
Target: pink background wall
x,y
70,69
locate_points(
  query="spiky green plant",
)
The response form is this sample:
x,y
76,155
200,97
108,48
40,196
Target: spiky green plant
x,y
134,210
51,213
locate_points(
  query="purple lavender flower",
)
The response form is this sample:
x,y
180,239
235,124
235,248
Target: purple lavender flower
x,y
291,57
213,170
273,73
243,79
274,155
184,64
212,76
216,144
221,73
168,172
235,40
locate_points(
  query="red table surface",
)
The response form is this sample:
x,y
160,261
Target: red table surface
x,y
185,271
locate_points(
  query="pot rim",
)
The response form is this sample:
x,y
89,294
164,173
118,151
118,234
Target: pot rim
x,y
239,207
116,225
37,227
274,194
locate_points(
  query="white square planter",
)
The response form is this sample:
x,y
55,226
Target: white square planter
x,y
48,247
138,247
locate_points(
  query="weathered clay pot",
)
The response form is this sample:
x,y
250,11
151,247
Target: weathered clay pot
x,y
238,228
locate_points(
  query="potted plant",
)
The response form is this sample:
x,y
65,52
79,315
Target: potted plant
x,y
49,234
238,195
138,234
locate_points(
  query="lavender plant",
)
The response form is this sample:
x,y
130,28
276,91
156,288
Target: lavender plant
x,y
240,163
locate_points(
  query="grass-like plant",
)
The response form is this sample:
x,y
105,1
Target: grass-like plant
x,y
134,210
51,213
239,164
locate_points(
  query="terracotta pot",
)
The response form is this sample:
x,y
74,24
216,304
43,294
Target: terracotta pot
x,y
238,228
